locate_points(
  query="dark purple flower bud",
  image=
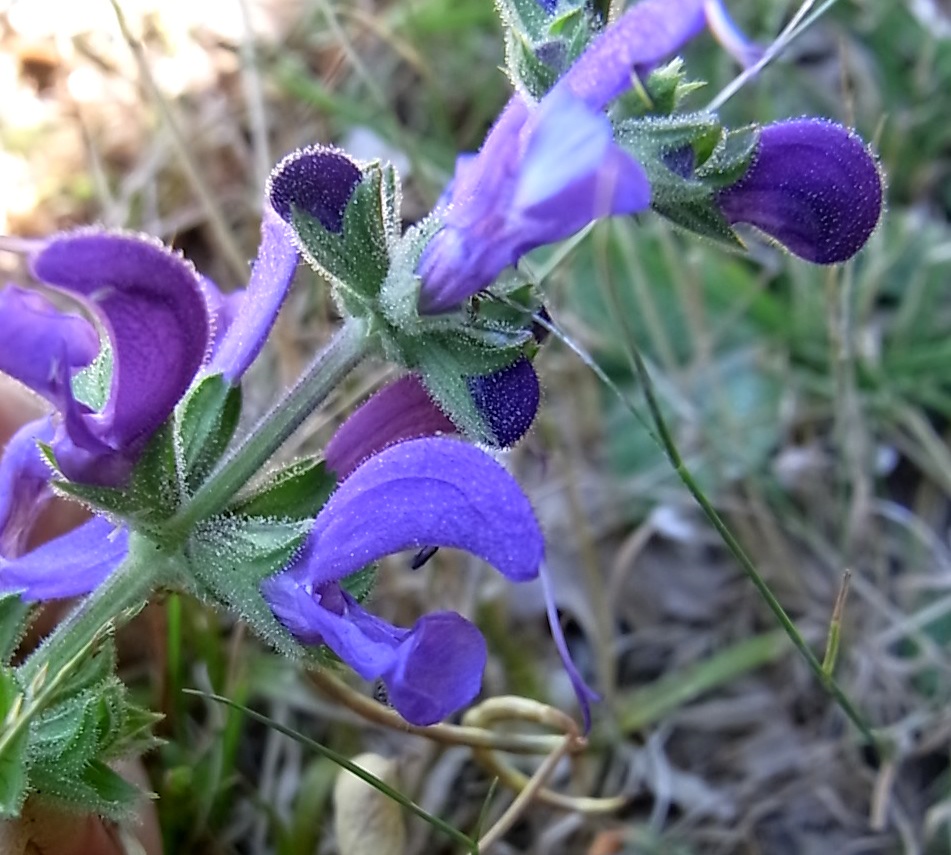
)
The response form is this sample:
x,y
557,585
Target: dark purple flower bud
x,y
813,186
507,399
418,493
318,180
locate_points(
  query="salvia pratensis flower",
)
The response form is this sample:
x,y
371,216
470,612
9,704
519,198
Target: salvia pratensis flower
x,y
422,492
160,318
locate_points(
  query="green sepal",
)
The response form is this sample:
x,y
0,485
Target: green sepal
x,y
668,86
92,385
67,737
154,490
229,557
731,159
526,67
135,732
14,759
13,623
205,421
155,482
688,200
650,138
355,260
104,499
539,48
399,294
525,17
698,214
295,492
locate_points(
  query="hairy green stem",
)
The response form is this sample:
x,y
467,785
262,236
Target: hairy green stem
x,y
344,351
670,449
126,589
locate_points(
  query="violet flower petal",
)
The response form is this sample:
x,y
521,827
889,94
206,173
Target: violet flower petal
x,y
24,485
318,180
424,492
505,204
813,186
40,345
643,37
572,173
399,411
151,304
260,303
430,671
68,566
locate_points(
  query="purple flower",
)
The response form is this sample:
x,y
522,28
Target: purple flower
x,y
417,493
162,321
546,171
542,175
507,400
813,186
151,306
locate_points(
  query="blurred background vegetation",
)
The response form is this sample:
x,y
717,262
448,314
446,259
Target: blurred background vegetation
x,y
812,404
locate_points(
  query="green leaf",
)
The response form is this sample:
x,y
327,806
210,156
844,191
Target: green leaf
x,y
205,422
13,613
13,754
294,492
